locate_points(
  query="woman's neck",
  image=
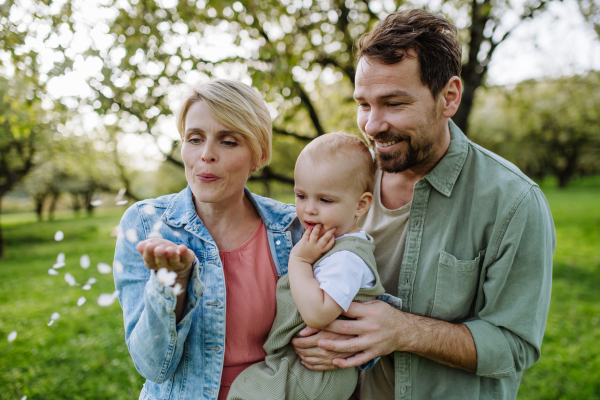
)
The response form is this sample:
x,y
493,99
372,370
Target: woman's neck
x,y
230,223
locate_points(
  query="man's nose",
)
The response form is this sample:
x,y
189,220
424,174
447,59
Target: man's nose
x,y
376,122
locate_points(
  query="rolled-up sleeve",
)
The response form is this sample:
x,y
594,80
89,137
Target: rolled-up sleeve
x,y
509,328
154,339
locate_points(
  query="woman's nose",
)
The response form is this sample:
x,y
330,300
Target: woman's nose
x,y
208,153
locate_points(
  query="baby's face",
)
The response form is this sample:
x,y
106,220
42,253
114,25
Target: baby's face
x,y
325,194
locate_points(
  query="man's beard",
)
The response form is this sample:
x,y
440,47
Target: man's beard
x,y
400,160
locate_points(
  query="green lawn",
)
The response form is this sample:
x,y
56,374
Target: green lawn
x,y
83,354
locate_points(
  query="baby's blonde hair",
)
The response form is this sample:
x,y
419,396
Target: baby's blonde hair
x,y
347,148
238,107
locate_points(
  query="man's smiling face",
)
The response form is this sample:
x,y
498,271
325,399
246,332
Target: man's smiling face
x,y
398,114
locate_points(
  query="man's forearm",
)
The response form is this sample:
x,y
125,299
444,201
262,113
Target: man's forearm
x,y
440,341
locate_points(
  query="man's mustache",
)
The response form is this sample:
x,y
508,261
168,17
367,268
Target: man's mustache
x,y
388,136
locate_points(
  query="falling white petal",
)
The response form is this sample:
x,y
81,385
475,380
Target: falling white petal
x,y
149,209
177,289
157,225
117,232
84,261
58,265
96,203
51,322
106,299
86,287
131,235
120,194
80,301
70,279
176,234
59,235
166,277
60,259
52,271
55,316
24,398
91,281
12,336
122,202
118,266
104,268
155,235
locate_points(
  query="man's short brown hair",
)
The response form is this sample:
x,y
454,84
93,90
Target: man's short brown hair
x,y
433,38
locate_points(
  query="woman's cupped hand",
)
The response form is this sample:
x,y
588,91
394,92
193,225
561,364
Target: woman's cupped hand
x,y
162,253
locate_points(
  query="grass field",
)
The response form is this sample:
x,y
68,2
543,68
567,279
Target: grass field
x,y
83,354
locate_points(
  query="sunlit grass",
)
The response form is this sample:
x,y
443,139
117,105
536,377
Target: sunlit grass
x,y
83,354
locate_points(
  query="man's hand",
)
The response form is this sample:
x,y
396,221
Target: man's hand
x,y
376,332
311,247
162,253
313,357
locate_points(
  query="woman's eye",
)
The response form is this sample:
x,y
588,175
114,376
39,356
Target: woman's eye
x,y
228,143
194,140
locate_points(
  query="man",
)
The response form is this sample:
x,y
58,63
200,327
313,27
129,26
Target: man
x,y
462,236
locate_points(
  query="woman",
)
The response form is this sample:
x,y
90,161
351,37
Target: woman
x,y
223,244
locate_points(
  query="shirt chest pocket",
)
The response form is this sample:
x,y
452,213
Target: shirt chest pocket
x,y
455,287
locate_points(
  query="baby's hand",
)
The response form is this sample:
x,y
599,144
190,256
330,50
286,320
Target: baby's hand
x,y
310,248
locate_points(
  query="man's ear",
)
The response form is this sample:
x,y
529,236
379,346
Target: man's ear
x,y
364,203
450,97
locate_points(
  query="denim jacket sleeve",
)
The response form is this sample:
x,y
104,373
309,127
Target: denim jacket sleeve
x,y
154,340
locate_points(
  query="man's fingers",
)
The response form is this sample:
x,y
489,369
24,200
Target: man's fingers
x,y
343,346
319,367
354,361
308,331
305,343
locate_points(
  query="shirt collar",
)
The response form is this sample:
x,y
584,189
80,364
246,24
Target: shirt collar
x,y
444,175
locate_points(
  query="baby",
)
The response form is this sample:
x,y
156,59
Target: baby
x,y
331,266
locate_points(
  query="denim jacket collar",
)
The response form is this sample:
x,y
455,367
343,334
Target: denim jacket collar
x,y
443,176
275,215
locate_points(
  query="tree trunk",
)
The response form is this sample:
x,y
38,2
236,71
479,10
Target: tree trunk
x,y
1,237
39,200
55,195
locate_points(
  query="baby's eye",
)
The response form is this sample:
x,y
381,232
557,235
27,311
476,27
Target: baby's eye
x,y
324,200
300,196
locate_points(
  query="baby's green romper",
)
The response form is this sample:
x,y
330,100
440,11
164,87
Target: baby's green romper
x,y
281,375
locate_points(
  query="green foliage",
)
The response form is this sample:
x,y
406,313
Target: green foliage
x,y
545,128
83,354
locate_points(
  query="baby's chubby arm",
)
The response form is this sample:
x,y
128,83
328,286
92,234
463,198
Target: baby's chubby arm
x,y
316,307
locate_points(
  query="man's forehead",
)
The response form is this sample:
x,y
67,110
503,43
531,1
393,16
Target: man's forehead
x,y
386,80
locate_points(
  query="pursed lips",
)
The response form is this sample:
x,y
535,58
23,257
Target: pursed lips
x,y
206,177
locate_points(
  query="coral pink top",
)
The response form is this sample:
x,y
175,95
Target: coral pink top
x,y
250,282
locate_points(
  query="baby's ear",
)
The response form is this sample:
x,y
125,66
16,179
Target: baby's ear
x,y
364,203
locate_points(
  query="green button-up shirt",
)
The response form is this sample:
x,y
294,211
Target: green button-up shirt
x,y
478,251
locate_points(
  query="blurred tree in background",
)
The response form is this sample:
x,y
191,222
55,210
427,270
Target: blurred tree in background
x,y
551,127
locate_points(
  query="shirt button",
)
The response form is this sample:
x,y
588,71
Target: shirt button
x,y
278,242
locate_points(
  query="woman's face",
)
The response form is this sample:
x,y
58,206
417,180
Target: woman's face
x,y
217,160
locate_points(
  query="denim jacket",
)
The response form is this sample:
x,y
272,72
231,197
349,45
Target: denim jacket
x,y
185,360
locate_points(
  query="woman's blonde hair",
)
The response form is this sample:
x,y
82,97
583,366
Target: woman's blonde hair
x,y
238,107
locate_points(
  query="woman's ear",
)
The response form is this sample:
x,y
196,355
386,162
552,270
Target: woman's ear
x,y
364,203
